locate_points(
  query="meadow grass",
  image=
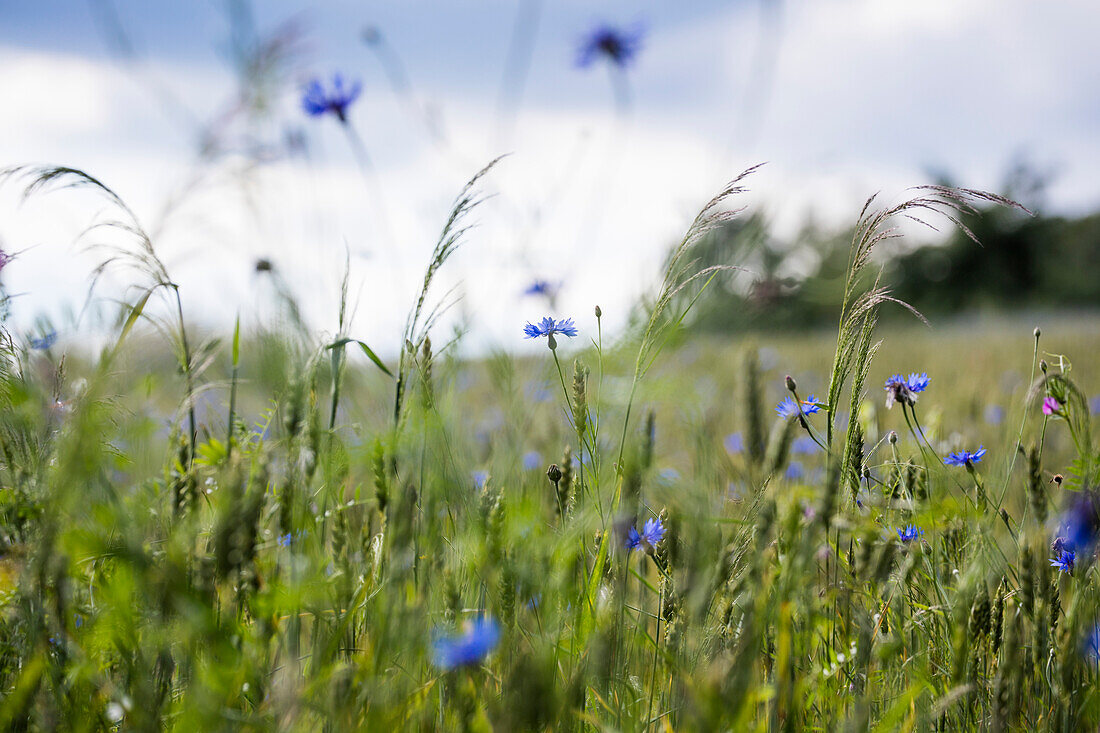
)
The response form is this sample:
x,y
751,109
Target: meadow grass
x,y
281,532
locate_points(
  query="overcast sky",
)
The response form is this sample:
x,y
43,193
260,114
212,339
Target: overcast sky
x,y
842,98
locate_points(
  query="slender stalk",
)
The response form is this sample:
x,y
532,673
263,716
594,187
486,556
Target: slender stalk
x,y
189,377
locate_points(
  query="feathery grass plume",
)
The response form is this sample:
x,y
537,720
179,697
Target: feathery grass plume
x,y
143,259
981,612
1036,492
861,301
851,465
997,620
751,400
420,322
566,496
679,274
580,399
427,393
378,472
1026,570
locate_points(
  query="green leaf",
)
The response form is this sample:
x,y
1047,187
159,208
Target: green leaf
x,y
374,357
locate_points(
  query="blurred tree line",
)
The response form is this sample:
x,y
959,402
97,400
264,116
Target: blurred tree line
x,y
1023,262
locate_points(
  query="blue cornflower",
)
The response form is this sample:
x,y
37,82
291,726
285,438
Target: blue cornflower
x,y
1094,405
46,341
963,457
917,382
652,533
480,477
794,471
285,540
904,389
911,533
1064,561
789,408
734,443
317,100
548,326
469,647
617,45
531,460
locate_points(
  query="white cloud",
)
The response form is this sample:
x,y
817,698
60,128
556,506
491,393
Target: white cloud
x,y
865,94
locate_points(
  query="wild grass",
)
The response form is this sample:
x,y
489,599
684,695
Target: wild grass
x,y
269,534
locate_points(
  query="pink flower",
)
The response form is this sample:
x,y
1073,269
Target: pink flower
x,y
1050,406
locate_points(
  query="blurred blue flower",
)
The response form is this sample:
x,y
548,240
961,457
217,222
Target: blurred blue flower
x,y
810,405
804,445
480,477
284,541
735,490
318,100
962,457
734,443
619,46
910,533
652,533
44,342
549,326
1092,643
544,288
540,391
994,414
1080,524
1094,405
531,460
794,471
1064,561
470,647
669,475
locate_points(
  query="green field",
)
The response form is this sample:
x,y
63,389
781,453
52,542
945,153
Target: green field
x,y
269,531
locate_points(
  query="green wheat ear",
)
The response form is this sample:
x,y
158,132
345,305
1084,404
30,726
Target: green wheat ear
x,y
751,400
